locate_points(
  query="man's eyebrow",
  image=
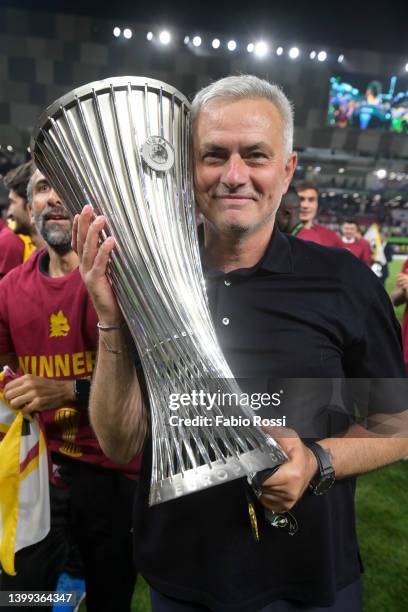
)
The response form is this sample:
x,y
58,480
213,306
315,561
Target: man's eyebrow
x,y
210,146
42,181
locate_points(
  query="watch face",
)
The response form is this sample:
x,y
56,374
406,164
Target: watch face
x,y
324,484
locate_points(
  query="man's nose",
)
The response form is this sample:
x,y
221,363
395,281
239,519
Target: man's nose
x,y
235,171
54,199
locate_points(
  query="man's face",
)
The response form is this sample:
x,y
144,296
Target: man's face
x,y
240,171
349,230
17,212
308,204
52,219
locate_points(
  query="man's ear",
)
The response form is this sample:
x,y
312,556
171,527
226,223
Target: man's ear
x,y
30,212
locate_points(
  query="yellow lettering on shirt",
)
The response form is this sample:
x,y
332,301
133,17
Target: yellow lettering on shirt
x,y
46,366
78,361
24,363
62,365
67,365
90,359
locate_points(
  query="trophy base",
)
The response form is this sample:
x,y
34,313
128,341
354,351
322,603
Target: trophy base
x,y
217,473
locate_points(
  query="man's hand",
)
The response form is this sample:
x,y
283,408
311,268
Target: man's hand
x,y
287,485
402,281
33,393
94,258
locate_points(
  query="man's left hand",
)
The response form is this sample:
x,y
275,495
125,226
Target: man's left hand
x,y
33,393
282,490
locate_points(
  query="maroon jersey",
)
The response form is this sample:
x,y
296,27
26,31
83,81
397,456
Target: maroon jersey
x,y
321,235
405,322
11,251
360,248
50,324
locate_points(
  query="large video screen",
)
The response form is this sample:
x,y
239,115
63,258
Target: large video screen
x,y
364,103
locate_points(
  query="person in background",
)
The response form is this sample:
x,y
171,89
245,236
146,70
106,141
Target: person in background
x,y
48,328
288,213
312,231
18,241
358,246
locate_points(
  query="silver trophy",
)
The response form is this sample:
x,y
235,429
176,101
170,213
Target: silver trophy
x,y
123,146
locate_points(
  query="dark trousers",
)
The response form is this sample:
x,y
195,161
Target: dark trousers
x,y
348,599
94,514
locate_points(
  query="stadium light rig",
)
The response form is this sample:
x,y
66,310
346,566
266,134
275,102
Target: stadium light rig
x,y
261,49
117,32
164,37
294,53
216,43
197,41
127,33
312,55
340,59
279,51
322,56
232,45
149,36
250,47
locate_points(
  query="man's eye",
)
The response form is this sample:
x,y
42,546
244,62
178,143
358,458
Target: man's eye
x,y
257,155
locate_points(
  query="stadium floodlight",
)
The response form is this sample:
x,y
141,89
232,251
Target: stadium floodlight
x,y
312,55
250,47
279,51
117,31
186,40
294,53
317,169
127,33
149,36
197,41
341,170
232,45
340,59
406,67
381,173
261,48
216,43
164,37
322,56
9,148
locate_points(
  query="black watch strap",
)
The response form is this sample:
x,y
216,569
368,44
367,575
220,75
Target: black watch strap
x,y
325,475
82,389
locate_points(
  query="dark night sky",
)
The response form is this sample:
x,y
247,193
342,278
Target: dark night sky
x,y
376,25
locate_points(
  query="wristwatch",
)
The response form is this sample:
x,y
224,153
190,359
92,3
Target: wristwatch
x,y
325,475
82,388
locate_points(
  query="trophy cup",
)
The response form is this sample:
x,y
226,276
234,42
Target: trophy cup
x,y
123,146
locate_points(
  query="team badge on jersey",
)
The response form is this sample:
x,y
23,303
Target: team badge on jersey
x,y
59,325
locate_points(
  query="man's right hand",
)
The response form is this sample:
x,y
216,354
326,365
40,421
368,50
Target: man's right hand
x,y
94,256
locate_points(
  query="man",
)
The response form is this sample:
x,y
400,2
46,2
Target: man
x,y
17,245
288,213
400,296
48,328
358,246
312,231
281,308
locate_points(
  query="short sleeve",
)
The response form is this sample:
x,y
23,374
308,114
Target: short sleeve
x,y
11,252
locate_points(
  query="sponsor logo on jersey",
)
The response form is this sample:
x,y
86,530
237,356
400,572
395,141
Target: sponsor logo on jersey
x,y
59,325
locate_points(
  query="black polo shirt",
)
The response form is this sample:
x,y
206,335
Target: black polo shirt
x,y
303,311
